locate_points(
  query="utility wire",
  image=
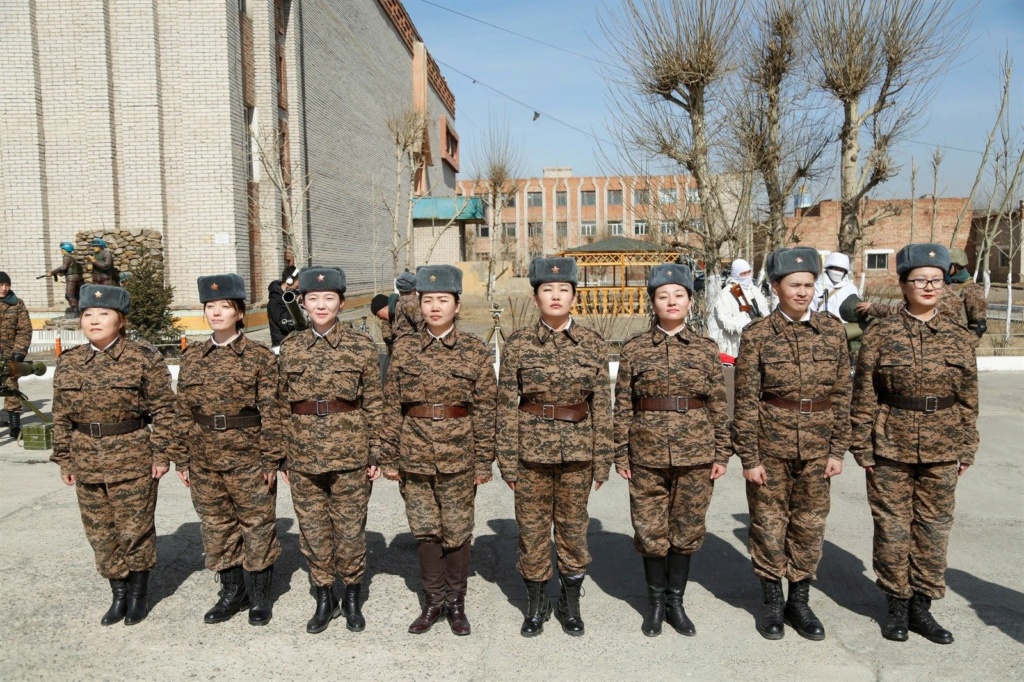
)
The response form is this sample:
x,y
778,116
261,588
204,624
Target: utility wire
x,y
537,112
520,35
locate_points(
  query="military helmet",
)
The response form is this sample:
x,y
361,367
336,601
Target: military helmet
x,y
98,241
67,246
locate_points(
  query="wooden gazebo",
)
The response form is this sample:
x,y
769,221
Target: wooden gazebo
x,y
613,274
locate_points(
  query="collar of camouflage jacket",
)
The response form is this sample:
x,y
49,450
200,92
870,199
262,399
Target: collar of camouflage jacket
x,y
937,323
449,340
10,298
658,335
333,337
779,321
237,344
114,351
544,332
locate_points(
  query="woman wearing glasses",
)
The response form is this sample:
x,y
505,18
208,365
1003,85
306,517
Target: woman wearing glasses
x,y
914,415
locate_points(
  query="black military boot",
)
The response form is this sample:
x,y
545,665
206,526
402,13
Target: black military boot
x,y
138,597
119,603
232,596
354,620
770,623
538,609
260,606
897,619
568,609
14,423
327,608
678,576
654,572
799,614
432,578
922,622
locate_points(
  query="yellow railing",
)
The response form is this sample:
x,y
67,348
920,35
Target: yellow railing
x,y
610,301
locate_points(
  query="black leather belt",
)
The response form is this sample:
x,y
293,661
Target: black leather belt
x,y
101,429
245,419
927,403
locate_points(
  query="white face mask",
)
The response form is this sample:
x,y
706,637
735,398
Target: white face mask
x,y
835,276
745,281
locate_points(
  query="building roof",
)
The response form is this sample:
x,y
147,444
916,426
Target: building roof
x,y
618,245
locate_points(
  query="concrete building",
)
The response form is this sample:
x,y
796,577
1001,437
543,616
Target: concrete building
x,y
818,226
559,211
165,115
1003,235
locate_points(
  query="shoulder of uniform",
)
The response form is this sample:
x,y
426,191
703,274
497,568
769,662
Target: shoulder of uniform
x,y
474,340
633,339
590,334
827,320
518,335
757,324
710,344
143,347
74,351
361,336
292,338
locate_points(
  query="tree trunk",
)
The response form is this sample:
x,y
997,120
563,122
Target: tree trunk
x,y
849,224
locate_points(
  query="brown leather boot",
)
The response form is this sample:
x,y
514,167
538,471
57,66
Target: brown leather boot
x,y
456,571
432,577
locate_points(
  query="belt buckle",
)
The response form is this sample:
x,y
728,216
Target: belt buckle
x,y
931,403
96,429
326,408
220,422
547,412
808,402
437,412
686,404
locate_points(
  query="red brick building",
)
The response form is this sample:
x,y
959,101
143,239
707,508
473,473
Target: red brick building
x,y
818,226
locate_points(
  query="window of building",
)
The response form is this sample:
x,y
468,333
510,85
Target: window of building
x,y
615,197
667,226
877,260
534,200
1004,259
510,201
641,196
615,227
483,230
588,229
640,227
509,229
449,144
692,195
667,196
560,199
561,229
535,229
588,198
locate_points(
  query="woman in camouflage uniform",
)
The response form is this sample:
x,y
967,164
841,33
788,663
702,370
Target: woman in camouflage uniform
x,y
15,339
554,440
105,392
329,376
439,441
671,442
914,415
229,416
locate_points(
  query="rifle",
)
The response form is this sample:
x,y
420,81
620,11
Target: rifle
x,y
298,316
9,369
47,275
745,305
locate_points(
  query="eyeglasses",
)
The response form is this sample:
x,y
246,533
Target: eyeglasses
x,y
923,283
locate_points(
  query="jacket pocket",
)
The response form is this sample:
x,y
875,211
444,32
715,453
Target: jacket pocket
x,y
777,372
347,384
410,384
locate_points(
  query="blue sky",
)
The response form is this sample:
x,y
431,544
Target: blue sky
x,y
571,88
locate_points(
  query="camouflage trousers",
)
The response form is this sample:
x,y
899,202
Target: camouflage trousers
x,y
331,511
118,521
238,515
546,495
440,507
12,404
912,507
668,506
787,518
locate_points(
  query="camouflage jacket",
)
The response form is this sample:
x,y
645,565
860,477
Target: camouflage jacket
x,y
227,380
794,361
455,370
559,368
903,356
127,381
408,318
15,326
344,364
964,303
653,364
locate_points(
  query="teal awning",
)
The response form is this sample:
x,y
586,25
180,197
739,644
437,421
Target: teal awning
x,y
467,209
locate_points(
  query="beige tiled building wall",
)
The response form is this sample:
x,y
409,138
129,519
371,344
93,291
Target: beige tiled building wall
x,y
129,114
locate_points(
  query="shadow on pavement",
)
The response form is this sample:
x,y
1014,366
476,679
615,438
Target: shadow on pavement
x,y
996,605
399,558
178,556
494,559
617,568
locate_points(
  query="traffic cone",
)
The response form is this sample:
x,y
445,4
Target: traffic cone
x,y
56,347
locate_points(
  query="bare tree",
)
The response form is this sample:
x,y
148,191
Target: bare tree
x,y
878,59
291,189
498,169
407,129
677,59
936,164
779,128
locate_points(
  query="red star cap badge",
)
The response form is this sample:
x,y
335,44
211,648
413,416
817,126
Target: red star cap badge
x,y
555,269
931,254
214,286
433,278
319,278
799,259
98,294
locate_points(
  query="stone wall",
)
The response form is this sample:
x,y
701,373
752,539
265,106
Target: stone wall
x,y
128,247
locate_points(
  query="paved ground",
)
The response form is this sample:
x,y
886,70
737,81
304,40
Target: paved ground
x,y
52,597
